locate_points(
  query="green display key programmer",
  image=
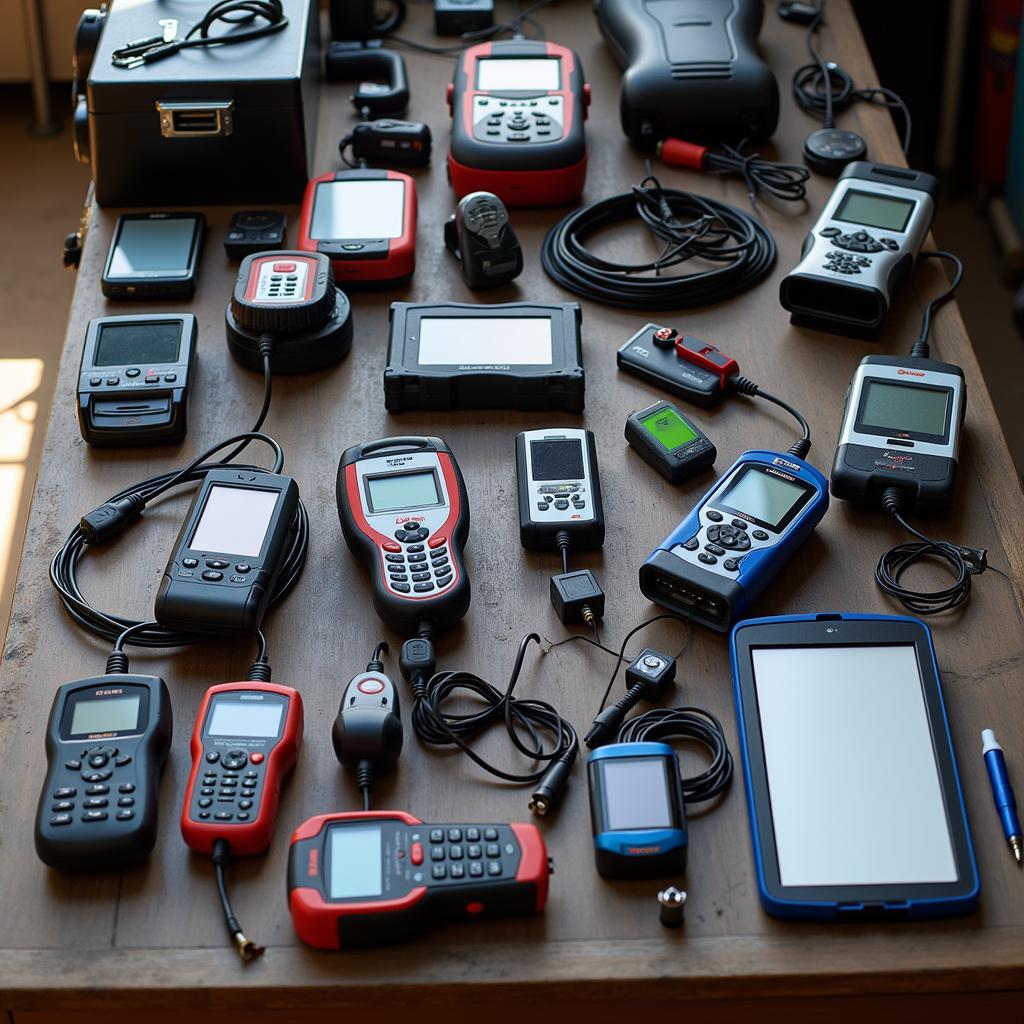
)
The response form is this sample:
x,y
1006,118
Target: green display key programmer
x,y
665,439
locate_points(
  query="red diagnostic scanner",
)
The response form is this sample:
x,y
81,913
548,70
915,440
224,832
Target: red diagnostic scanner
x,y
383,877
246,740
518,108
365,221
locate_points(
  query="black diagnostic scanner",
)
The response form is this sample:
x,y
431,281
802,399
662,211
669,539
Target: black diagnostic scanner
x,y
901,428
133,384
106,744
481,238
229,553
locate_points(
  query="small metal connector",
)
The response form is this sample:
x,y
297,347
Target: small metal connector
x,y
247,949
672,903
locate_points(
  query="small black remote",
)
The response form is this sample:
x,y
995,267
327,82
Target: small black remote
x,y
252,231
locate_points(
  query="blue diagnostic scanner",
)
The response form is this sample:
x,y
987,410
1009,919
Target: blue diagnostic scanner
x,y
739,535
637,810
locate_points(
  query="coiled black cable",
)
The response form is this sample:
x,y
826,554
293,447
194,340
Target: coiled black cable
x,y
823,87
687,723
436,725
741,250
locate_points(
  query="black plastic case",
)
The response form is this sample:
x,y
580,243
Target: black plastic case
x,y
250,110
691,69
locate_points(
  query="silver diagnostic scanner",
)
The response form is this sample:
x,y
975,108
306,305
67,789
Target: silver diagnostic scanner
x,y
863,246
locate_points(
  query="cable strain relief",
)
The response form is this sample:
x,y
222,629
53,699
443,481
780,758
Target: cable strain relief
x,y
562,540
364,775
425,630
920,349
587,614
259,671
220,854
800,448
266,345
631,698
375,665
892,500
744,386
117,662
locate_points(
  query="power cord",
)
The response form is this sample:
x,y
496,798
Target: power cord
x,y
781,180
221,856
745,386
513,27
691,724
434,724
110,519
233,13
920,347
691,226
823,88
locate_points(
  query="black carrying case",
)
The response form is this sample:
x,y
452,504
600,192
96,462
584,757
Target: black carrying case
x,y
224,124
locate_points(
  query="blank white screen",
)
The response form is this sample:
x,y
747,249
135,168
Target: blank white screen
x,y
513,341
504,74
234,521
358,209
852,777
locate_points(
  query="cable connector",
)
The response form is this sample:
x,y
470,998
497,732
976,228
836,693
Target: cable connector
x,y
111,520
247,949
646,679
975,558
577,597
416,660
548,794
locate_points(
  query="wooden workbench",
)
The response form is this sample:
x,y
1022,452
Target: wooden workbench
x,y
150,943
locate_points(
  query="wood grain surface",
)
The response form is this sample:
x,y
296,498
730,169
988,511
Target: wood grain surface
x,y
153,938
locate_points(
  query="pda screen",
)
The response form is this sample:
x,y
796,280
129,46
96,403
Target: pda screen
x,y
402,490
358,209
234,521
635,793
155,247
105,714
557,460
875,211
906,408
148,344
355,862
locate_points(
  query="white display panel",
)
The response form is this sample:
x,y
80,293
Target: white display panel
x,y
511,341
511,74
106,714
355,856
234,521
248,718
358,209
853,782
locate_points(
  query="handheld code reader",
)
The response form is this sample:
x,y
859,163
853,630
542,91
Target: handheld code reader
x,y
229,553
106,745
365,221
133,384
741,534
861,249
559,488
292,297
511,355
669,442
246,740
517,109
901,428
405,515
382,877
678,363
481,238
637,810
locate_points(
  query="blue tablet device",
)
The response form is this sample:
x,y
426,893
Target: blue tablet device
x,y
855,803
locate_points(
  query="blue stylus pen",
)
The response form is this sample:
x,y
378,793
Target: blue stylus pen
x,y
1002,793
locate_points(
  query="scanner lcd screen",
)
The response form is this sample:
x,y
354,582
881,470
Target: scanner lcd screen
x,y
234,521
248,718
875,211
507,74
485,340
557,459
635,793
358,209
854,786
402,490
148,344
355,862
105,714
905,408
158,247
763,497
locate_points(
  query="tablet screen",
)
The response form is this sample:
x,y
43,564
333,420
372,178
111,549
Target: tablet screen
x,y
853,782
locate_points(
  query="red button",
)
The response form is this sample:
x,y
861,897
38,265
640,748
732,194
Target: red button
x,y
284,268
416,853
391,545
474,908
437,541
369,686
256,758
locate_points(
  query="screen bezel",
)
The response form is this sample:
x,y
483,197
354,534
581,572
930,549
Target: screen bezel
x,y
837,631
187,272
141,322
845,198
325,860
717,503
88,692
417,312
865,428
410,471
200,507
600,802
